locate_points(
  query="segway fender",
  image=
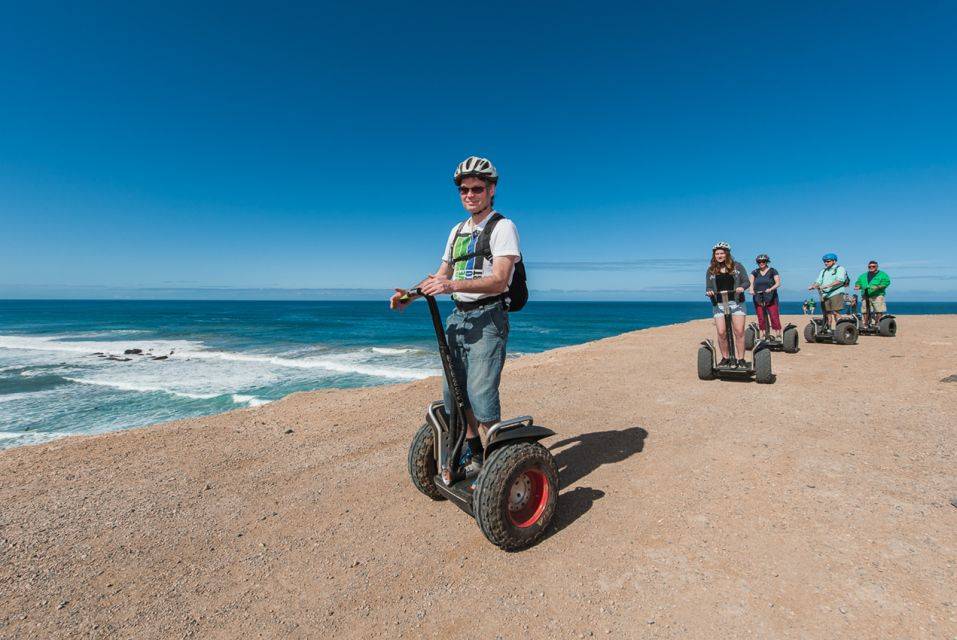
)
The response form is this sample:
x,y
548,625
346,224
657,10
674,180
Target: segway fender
x,y
524,433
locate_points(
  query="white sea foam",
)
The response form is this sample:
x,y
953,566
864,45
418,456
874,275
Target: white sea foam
x,y
26,395
180,350
327,364
390,351
63,344
252,401
127,386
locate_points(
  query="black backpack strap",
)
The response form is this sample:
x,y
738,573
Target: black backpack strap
x,y
483,246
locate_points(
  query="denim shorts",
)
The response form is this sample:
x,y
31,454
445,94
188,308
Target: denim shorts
x,y
477,341
737,309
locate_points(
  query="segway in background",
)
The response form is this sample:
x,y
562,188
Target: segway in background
x,y
887,326
708,368
789,337
513,497
844,331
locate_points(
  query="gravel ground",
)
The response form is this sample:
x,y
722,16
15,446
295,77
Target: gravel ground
x,y
816,507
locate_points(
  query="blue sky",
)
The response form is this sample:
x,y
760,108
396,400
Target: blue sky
x,y
187,150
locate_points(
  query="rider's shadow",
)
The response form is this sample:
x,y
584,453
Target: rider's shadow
x,y
589,451
582,455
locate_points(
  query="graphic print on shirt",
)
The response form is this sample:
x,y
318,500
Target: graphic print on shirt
x,y
471,268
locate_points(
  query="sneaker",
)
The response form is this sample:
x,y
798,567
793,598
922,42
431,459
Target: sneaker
x,y
474,466
742,364
724,362
466,456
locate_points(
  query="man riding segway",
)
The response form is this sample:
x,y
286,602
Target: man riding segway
x,y
832,283
512,494
873,286
478,328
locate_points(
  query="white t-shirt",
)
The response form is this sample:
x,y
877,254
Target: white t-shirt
x,y
503,242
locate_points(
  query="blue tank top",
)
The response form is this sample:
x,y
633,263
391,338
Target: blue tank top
x,y
765,282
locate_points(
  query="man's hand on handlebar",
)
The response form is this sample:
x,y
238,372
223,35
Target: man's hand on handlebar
x,y
400,299
709,293
436,284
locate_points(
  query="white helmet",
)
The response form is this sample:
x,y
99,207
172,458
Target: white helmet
x,y
478,167
721,245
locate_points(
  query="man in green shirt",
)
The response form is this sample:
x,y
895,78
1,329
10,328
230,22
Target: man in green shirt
x,y
872,285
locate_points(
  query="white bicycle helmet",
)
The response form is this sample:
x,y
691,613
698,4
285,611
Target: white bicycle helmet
x,y
477,167
721,245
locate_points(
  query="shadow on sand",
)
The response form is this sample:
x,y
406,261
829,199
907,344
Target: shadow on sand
x,y
584,454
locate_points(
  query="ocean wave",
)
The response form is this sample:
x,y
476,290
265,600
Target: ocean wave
x,y
390,351
252,401
187,349
25,395
393,373
128,386
62,343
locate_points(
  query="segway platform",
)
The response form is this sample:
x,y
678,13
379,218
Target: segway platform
x,y
844,333
514,496
708,368
758,368
788,343
887,327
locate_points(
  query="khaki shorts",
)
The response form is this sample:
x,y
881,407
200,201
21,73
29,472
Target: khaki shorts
x,y
834,303
877,305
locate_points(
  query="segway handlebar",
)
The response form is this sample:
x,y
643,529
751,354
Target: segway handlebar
x,y
724,294
411,294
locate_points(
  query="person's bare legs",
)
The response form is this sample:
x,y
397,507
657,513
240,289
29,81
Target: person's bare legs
x,y
737,325
475,428
722,338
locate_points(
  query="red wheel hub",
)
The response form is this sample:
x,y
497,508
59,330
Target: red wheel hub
x,y
527,498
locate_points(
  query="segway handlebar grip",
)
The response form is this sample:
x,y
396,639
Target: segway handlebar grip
x,y
410,294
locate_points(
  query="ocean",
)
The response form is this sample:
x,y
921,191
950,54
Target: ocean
x,y
64,366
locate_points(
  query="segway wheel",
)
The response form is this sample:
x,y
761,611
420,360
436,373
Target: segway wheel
x,y
749,338
887,327
845,333
790,341
516,494
762,367
809,332
705,362
422,464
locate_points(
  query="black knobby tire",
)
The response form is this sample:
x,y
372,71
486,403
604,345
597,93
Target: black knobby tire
x,y
809,332
887,327
705,364
523,470
749,338
789,340
762,367
845,333
422,464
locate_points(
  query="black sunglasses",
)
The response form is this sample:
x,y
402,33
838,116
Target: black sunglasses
x,y
476,190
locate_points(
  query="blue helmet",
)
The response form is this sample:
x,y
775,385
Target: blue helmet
x,y
830,256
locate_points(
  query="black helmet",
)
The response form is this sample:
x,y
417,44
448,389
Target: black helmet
x,y
763,257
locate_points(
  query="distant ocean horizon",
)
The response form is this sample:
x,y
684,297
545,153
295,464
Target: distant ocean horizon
x,y
90,366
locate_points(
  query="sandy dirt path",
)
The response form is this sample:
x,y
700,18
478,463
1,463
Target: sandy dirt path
x,y
817,507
